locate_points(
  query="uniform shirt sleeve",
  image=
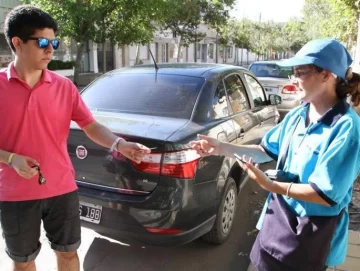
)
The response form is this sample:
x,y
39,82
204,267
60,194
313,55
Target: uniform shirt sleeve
x,y
336,169
80,112
271,141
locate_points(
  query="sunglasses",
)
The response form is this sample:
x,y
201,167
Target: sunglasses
x,y
41,179
43,43
298,75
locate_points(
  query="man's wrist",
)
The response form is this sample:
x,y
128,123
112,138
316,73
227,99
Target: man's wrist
x,y
119,144
4,156
115,144
10,159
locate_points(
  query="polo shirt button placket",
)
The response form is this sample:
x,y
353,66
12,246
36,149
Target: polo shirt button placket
x,y
32,102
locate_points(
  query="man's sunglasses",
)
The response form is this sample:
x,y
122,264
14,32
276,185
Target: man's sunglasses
x,y
43,43
41,179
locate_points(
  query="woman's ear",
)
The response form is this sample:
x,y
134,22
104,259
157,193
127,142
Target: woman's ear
x,y
326,75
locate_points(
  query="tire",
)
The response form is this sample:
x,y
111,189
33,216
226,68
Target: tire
x,y
225,215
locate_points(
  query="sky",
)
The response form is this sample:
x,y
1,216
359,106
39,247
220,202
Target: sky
x,y
276,10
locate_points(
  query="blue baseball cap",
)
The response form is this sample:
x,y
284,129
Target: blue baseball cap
x,y
328,54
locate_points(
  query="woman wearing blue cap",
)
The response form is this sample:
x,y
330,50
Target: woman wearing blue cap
x,y
304,223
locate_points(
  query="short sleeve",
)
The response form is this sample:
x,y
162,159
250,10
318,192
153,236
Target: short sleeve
x,y
80,112
336,169
271,141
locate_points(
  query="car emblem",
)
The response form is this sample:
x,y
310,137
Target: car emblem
x,y
81,152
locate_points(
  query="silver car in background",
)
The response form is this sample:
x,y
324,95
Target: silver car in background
x,y
275,80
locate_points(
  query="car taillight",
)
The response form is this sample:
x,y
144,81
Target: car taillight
x,y
289,89
178,164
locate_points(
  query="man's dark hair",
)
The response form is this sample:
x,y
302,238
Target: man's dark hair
x,y
24,20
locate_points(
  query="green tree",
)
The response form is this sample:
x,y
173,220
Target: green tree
x,y
119,21
295,34
266,38
184,17
331,18
352,7
241,36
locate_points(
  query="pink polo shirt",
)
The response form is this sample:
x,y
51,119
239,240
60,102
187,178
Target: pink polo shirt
x,y
35,123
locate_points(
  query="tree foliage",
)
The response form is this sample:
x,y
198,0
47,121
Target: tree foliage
x,y
331,18
184,17
119,21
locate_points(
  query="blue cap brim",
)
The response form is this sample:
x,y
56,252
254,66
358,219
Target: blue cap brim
x,y
297,61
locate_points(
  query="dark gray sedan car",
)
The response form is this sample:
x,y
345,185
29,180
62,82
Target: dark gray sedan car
x,y
174,196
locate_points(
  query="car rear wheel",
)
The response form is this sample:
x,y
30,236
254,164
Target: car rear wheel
x,y
225,216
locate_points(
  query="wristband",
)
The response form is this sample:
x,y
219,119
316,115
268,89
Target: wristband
x,y
11,156
115,144
288,190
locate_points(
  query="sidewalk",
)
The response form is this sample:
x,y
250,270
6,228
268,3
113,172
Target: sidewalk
x,y
353,254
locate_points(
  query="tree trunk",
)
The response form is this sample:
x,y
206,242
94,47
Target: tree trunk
x,y
179,50
104,57
79,54
137,58
241,61
236,61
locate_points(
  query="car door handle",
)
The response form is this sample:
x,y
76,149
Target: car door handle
x,y
241,133
222,136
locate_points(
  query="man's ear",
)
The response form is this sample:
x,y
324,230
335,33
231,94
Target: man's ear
x,y
17,43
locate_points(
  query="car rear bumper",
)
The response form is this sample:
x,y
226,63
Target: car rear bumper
x,y
123,231
134,217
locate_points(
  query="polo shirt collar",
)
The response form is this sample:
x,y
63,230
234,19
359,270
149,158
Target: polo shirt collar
x,y
332,115
11,73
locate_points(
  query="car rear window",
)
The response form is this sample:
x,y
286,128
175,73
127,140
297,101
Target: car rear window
x,y
149,94
270,70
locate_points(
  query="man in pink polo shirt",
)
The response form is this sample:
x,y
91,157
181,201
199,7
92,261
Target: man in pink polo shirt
x,y
36,175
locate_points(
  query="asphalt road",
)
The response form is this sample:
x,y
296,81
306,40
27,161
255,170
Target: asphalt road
x,y
98,253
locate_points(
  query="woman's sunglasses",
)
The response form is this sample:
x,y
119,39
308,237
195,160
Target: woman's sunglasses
x,y
41,179
43,43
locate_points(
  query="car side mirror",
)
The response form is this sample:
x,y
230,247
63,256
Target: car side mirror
x,y
274,99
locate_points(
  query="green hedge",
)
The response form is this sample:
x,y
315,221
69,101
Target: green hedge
x,y
60,65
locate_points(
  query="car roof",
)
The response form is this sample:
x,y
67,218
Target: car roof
x,y
187,69
265,62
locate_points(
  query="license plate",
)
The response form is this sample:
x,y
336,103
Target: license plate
x,y
271,90
90,212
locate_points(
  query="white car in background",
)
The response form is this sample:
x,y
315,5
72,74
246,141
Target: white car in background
x,y
275,80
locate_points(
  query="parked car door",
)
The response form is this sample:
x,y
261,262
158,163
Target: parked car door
x,y
245,121
222,110
264,112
